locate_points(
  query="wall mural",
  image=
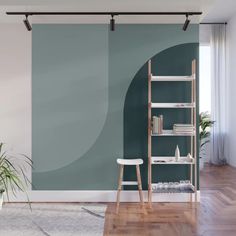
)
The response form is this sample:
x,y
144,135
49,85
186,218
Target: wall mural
x,y
89,102
167,62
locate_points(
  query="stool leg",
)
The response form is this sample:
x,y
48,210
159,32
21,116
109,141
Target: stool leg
x,y
139,184
119,188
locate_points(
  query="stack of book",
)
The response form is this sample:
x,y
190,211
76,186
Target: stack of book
x,y
183,128
157,124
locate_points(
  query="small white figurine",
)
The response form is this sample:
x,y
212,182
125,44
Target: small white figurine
x,y
189,157
177,154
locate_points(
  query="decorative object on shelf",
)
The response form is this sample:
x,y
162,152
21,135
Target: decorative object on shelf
x,y
189,158
155,125
177,153
170,160
160,161
12,173
183,129
205,124
161,123
183,186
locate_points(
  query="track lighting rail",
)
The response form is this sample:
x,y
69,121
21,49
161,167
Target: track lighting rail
x,y
29,13
112,14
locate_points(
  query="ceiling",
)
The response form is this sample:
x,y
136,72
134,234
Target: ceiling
x,y
221,11
213,10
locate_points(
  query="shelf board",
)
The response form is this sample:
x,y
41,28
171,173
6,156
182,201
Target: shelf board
x,y
172,133
170,161
129,183
188,190
172,78
172,105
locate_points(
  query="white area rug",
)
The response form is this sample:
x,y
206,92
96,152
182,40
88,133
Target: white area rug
x,y
52,219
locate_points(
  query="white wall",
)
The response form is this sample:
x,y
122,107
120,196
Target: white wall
x,y
15,88
231,36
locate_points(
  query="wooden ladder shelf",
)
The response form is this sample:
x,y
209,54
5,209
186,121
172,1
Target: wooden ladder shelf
x,y
153,160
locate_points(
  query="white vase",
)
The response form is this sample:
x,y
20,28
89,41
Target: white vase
x,y
177,154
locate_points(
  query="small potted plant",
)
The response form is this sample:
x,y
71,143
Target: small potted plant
x,y
12,173
205,124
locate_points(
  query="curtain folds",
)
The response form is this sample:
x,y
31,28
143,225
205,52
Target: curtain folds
x,y
219,95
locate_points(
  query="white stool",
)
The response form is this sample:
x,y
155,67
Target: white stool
x,y
129,162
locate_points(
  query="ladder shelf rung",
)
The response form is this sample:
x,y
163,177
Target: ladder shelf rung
x,y
172,105
172,78
170,160
129,183
172,133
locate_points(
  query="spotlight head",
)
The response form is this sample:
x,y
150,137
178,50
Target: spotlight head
x,y
112,23
186,23
27,24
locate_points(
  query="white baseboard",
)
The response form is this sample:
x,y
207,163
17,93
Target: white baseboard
x,y
100,196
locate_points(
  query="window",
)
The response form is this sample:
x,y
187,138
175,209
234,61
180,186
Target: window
x,y
205,78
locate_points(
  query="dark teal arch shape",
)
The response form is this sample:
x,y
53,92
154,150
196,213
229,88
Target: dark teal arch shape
x,y
172,61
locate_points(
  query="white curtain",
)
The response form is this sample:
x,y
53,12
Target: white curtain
x,y
219,93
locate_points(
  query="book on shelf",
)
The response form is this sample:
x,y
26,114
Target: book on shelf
x,y
183,128
157,124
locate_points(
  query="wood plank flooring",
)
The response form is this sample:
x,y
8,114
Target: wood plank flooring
x,y
215,215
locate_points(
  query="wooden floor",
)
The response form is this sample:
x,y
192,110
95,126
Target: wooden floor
x,y
215,215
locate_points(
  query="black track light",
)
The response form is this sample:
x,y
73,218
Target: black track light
x,y
186,23
112,23
27,24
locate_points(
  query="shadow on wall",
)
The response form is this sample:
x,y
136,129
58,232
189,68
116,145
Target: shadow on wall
x,y
172,61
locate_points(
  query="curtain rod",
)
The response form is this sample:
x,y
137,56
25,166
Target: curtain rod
x,y
29,13
213,23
